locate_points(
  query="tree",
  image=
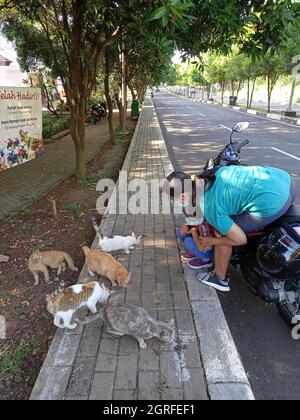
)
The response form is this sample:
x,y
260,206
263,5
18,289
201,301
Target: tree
x,y
254,25
170,78
271,67
70,37
217,71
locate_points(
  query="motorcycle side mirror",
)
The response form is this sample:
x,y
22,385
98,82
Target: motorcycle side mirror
x,y
241,126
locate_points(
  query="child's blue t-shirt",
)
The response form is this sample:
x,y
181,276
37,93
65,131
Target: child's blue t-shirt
x,y
258,190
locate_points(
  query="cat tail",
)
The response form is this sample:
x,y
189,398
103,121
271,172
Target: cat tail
x,y
70,261
97,229
90,318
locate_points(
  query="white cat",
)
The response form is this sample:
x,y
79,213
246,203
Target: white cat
x,y
116,243
63,304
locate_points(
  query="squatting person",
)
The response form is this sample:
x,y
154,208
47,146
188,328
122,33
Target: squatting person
x,y
238,200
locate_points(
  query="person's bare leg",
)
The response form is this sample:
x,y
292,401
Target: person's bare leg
x,y
223,255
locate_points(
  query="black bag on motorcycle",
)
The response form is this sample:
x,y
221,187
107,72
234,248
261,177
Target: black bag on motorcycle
x,y
279,253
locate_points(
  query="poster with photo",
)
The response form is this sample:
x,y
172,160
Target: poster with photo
x,y
20,126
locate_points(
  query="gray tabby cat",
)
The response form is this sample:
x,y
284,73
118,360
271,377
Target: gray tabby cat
x,y
127,319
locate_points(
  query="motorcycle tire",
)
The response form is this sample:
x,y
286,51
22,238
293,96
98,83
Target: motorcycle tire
x,y
286,314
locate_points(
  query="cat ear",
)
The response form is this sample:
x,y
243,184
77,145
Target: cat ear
x,y
133,235
140,237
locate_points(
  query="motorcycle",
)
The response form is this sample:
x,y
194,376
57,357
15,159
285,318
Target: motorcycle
x,y
270,262
94,115
102,108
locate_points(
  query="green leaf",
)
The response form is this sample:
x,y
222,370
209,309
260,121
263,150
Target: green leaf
x,y
159,13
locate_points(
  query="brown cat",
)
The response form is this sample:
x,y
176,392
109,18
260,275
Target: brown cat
x,y
64,303
39,261
104,264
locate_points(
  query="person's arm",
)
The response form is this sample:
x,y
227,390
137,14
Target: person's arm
x,y
184,230
235,237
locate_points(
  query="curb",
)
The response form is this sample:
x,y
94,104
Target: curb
x,y
55,373
225,374
266,115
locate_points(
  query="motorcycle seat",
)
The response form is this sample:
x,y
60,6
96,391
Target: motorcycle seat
x,y
293,211
291,216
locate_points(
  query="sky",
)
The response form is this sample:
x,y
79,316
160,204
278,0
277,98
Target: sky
x,y
7,50
11,75
176,58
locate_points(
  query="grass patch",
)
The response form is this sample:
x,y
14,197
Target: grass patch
x,y
2,277
72,206
4,296
46,316
53,125
92,179
11,361
121,134
17,311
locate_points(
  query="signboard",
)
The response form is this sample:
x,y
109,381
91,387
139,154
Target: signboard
x,y
20,125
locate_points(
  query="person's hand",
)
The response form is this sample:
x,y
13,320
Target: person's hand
x,y
184,230
206,243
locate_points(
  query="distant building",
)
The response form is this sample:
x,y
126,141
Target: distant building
x,y
4,62
10,72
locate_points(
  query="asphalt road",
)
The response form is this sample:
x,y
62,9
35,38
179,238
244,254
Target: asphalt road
x,y
195,132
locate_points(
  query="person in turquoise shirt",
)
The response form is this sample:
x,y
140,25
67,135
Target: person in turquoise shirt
x,y
239,200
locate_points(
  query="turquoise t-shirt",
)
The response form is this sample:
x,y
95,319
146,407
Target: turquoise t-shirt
x,y
259,190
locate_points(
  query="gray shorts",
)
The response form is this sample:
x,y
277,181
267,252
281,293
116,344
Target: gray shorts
x,y
249,223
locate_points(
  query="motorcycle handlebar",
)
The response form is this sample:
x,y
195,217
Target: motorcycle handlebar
x,y
245,143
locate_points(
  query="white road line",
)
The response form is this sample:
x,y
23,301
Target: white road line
x,y
285,153
202,115
224,126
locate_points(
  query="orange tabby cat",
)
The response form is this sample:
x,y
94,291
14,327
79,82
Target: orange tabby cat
x,y
39,261
104,264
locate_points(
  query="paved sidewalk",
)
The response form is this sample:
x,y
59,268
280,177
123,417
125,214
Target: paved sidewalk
x,y
22,184
203,362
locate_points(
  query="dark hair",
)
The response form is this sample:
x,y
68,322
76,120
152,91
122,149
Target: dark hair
x,y
209,177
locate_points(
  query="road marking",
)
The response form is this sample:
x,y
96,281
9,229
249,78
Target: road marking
x,y
285,153
202,115
226,128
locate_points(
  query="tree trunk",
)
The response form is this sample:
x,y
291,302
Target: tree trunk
x,y
133,94
107,95
239,88
78,136
120,108
124,89
232,89
269,94
271,85
208,91
248,93
223,91
252,93
80,168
